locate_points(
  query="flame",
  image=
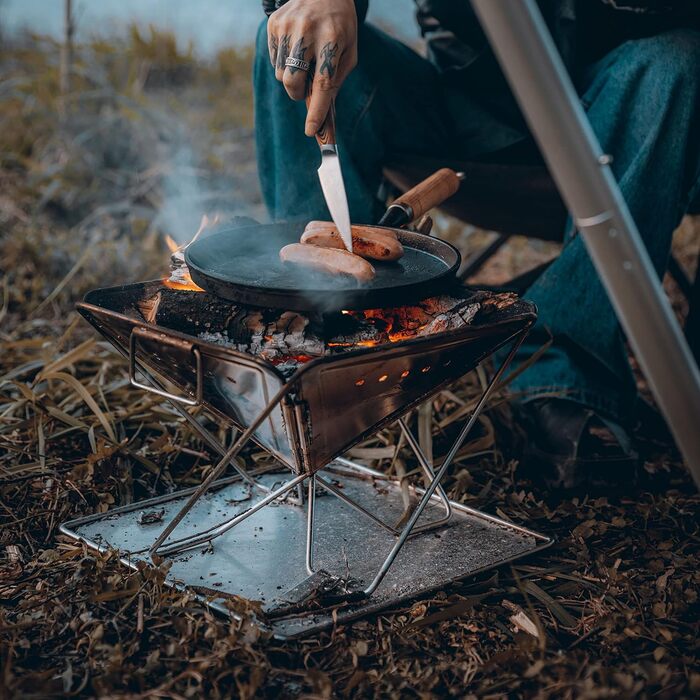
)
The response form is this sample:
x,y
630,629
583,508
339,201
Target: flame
x,y
357,344
179,277
186,286
398,336
172,244
394,326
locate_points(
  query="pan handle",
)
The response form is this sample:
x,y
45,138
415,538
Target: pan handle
x,y
161,338
429,193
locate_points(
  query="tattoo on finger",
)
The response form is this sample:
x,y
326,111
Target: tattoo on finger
x,y
297,52
283,51
328,54
274,46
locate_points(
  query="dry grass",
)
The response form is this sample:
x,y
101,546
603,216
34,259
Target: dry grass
x,y
609,611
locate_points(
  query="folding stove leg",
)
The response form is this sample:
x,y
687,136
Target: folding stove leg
x,y
215,473
429,473
435,483
215,445
310,506
432,486
218,530
330,488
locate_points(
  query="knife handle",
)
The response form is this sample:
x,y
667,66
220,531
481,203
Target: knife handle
x,y
326,133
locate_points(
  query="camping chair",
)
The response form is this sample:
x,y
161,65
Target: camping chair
x,y
517,200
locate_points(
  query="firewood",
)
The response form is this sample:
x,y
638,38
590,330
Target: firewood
x,y
188,312
288,338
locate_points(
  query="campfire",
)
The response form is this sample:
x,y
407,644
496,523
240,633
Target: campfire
x,y
289,339
305,387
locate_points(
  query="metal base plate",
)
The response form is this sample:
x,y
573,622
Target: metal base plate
x,y
262,558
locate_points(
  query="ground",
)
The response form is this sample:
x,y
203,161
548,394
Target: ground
x,y
91,182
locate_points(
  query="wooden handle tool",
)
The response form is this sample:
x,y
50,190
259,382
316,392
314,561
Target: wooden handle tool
x,y
326,133
429,193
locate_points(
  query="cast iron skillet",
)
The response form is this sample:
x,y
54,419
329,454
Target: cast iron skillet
x,y
243,265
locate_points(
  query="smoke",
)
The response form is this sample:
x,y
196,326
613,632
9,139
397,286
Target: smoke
x,y
184,199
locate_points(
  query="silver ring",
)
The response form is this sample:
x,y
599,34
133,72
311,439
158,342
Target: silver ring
x,y
297,63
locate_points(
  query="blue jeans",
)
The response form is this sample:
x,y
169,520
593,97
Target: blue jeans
x,y
643,101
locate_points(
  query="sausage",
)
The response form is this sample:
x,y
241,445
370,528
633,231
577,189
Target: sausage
x,y
330,260
356,228
367,242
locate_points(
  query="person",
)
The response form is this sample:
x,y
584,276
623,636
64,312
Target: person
x,y
636,67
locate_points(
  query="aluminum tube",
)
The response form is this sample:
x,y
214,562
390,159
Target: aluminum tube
x,y
538,78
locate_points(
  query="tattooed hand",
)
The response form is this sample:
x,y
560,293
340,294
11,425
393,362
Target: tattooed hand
x,y
322,32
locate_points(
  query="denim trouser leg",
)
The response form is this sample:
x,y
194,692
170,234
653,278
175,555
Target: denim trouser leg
x,y
392,101
643,101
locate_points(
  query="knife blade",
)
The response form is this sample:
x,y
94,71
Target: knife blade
x,y
331,178
333,187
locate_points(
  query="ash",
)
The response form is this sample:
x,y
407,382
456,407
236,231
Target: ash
x,y
290,339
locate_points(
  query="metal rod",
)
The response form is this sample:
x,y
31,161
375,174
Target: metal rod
x,y
199,378
356,466
212,442
549,102
430,488
357,470
428,469
476,261
310,507
201,430
354,504
219,468
218,530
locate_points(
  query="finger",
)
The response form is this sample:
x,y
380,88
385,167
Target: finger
x,y
272,44
325,85
282,53
295,78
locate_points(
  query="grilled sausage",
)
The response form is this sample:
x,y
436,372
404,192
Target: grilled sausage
x,y
367,242
356,228
330,260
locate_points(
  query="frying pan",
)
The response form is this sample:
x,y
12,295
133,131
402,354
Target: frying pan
x,y
243,265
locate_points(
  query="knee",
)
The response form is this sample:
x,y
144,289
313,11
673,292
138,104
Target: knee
x,y
669,60
262,52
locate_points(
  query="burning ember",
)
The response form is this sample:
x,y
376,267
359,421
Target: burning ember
x,y
180,278
288,339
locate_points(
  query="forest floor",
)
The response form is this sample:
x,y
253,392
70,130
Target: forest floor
x,y
91,182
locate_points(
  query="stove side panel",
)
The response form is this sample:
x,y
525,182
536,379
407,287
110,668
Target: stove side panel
x,y
351,398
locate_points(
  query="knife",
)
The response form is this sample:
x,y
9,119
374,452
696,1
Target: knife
x,y
331,176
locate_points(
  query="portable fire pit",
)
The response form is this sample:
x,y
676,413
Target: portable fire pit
x,y
318,537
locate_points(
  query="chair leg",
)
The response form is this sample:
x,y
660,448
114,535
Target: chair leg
x,y
692,323
476,261
679,276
